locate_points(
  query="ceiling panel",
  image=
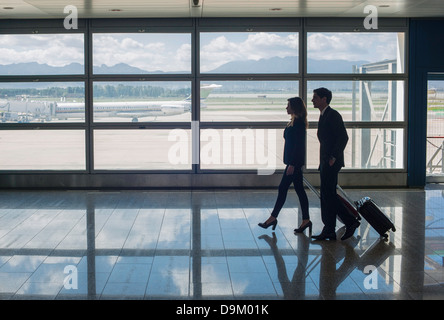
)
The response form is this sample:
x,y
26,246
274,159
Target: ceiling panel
x,y
47,9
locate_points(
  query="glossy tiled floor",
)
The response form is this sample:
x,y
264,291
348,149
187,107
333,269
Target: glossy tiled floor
x,y
207,245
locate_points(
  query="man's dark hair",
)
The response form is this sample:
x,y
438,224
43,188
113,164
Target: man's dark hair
x,y
324,92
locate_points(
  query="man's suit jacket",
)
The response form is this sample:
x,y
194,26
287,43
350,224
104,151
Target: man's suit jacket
x,y
332,136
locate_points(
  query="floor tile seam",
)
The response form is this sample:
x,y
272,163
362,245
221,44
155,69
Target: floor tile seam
x,y
38,266
97,293
149,282
105,281
158,233
259,254
190,262
437,279
1,265
48,222
386,275
109,281
259,251
111,271
62,286
360,285
24,282
17,225
67,233
224,242
225,252
251,230
155,251
129,231
108,216
270,275
289,242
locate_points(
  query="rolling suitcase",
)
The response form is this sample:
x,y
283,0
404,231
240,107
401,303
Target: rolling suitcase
x,y
374,216
349,207
345,201
348,203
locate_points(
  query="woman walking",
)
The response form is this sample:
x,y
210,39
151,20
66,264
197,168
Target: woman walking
x,y
294,157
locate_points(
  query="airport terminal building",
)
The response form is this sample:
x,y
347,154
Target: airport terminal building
x,y
142,143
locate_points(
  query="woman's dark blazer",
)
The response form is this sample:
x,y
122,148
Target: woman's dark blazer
x,y
295,142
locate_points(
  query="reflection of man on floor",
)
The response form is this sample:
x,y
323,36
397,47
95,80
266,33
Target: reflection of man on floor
x,y
331,278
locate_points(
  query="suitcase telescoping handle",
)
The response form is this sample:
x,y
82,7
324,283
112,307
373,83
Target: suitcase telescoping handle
x,y
308,184
316,192
345,195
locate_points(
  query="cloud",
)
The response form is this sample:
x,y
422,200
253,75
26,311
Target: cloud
x,y
148,52
166,52
172,52
352,46
218,49
52,49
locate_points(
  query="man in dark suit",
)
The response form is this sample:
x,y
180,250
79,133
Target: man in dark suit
x,y
333,138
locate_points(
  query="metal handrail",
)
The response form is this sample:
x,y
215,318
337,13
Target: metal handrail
x,y
440,150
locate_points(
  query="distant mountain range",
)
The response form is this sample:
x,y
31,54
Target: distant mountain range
x,y
287,65
272,65
34,68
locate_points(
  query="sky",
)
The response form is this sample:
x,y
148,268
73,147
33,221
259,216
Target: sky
x,y
172,52
151,52
55,50
220,48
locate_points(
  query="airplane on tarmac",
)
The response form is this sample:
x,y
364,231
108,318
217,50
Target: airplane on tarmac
x,y
129,109
25,111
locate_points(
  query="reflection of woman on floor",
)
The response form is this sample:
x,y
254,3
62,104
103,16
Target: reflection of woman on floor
x,y
294,289
294,157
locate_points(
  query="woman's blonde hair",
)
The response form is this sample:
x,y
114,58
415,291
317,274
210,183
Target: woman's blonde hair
x,y
299,109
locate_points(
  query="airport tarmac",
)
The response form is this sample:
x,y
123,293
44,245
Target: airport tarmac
x,y
170,149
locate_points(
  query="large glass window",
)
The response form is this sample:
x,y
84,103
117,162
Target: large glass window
x,y
249,52
41,54
357,52
42,150
246,100
38,102
245,149
364,100
163,149
375,148
435,129
141,53
135,108
142,101
366,73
